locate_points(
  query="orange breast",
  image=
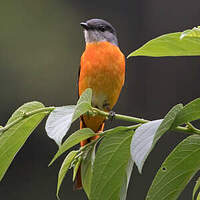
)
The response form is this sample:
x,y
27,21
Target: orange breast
x,y
103,70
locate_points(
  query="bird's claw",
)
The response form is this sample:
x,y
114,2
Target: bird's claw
x,y
111,115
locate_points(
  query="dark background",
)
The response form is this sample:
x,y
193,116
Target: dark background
x,y
40,47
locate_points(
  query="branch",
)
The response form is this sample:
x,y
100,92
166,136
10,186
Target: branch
x,y
190,129
187,129
120,117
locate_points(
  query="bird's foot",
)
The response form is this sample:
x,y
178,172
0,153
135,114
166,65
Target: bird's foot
x,y
111,115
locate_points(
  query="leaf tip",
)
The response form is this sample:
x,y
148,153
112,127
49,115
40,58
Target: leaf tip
x,y
139,165
52,161
130,55
57,195
140,170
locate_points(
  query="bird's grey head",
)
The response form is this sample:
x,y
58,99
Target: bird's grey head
x,y
96,30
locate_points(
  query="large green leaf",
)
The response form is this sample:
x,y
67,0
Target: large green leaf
x,y
176,171
13,139
147,135
110,166
61,118
190,112
64,168
72,140
169,45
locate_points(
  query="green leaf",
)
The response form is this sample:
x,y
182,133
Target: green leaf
x,y
61,118
14,138
76,167
86,169
146,136
196,187
195,32
190,112
59,122
64,168
176,171
72,140
110,166
86,96
142,141
83,104
167,122
169,45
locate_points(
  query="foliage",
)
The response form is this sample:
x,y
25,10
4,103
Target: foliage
x,y
106,168
172,44
176,171
13,138
112,159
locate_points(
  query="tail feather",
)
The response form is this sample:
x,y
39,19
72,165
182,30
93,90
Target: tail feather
x,y
78,181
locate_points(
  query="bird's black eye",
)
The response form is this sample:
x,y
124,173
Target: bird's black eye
x,y
102,28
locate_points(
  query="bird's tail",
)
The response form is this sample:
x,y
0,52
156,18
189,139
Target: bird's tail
x,y
78,182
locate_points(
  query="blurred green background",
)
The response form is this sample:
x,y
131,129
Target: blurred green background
x,y
40,47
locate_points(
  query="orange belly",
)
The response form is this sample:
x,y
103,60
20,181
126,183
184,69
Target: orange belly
x,y
102,70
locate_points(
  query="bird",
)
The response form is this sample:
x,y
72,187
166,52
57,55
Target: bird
x,y
102,68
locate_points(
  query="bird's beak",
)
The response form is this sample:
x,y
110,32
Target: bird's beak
x,y
84,25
